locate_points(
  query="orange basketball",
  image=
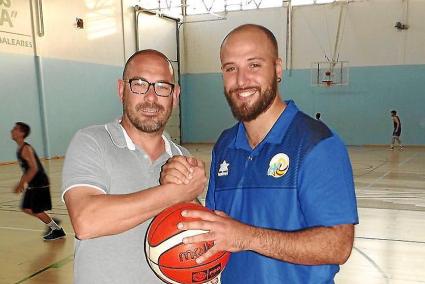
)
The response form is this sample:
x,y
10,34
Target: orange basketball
x,y
173,261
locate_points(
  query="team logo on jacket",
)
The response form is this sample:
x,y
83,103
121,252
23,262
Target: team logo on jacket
x,y
224,169
278,166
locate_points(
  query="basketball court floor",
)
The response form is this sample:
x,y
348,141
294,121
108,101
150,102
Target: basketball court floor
x,y
389,244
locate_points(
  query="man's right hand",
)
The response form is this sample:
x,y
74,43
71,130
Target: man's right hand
x,y
186,171
178,170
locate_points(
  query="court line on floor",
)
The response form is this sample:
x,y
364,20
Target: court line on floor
x,y
54,212
371,170
20,229
57,264
390,240
9,201
388,172
374,264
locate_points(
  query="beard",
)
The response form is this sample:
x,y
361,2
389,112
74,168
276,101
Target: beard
x,y
250,111
147,124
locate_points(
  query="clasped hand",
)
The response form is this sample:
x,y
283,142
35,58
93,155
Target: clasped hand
x,y
187,172
226,233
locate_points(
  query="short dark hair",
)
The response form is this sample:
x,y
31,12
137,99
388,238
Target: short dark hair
x,y
270,36
25,128
146,51
393,112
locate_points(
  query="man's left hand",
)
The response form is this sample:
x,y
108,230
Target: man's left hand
x,y
226,233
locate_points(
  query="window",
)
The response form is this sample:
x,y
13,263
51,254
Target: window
x,y
310,2
168,7
194,7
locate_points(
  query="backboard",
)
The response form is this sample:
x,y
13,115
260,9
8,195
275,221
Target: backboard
x,y
329,73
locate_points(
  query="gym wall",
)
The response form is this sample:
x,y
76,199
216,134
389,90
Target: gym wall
x,y
66,79
59,77
387,69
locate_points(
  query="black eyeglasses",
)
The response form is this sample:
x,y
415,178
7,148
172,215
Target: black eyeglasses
x,y
140,86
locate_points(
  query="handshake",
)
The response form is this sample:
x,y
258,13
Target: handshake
x,y
187,173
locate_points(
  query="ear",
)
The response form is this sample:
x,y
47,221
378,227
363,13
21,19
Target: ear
x,y
176,95
120,87
279,68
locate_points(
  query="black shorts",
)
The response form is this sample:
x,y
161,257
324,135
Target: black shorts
x,y
37,199
397,133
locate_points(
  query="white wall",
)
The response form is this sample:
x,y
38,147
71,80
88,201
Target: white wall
x,y
414,51
128,28
368,36
102,28
203,39
99,42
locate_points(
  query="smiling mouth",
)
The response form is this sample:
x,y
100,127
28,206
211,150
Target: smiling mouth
x,y
245,92
149,111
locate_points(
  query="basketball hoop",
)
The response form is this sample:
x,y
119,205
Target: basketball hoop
x,y
330,73
327,83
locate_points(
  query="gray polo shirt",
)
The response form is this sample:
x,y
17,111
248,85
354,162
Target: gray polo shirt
x,y
105,158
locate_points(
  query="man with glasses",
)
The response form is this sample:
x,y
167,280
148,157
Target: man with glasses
x,y
111,173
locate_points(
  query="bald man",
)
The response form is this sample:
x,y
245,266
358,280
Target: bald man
x,y
280,181
111,173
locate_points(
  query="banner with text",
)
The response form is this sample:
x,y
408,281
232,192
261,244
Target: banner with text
x,y
15,27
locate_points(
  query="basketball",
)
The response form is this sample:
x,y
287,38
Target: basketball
x,y
170,259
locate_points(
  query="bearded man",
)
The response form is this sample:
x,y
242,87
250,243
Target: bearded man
x,y
111,173
281,182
